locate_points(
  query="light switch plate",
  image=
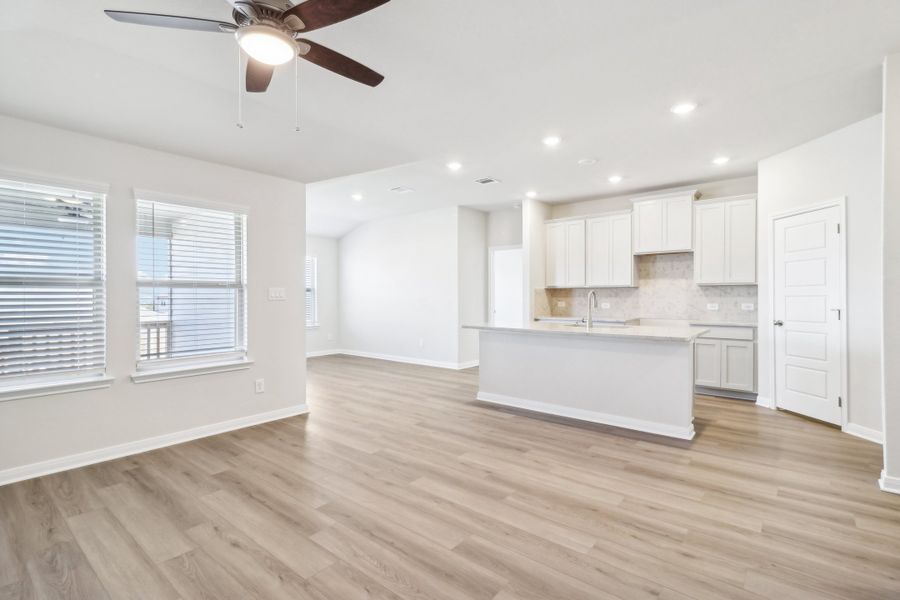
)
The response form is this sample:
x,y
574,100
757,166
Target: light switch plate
x,y
712,306
747,306
277,294
604,305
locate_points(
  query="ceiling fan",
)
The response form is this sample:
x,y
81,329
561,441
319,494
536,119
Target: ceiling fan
x,y
270,31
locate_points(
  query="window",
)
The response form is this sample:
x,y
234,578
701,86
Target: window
x,y
52,283
191,284
312,308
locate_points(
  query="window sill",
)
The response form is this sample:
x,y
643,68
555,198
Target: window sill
x,y
151,375
48,388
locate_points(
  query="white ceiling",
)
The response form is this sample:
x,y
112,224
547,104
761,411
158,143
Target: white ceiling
x,y
472,80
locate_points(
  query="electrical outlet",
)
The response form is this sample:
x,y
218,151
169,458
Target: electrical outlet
x,y
604,305
748,306
421,343
712,306
560,304
260,386
277,294
330,337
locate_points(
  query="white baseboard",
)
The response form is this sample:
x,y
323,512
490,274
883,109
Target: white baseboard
x,y
720,393
684,433
410,360
873,435
322,353
889,484
82,459
765,402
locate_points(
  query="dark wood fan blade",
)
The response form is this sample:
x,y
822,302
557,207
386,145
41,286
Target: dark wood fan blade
x,y
321,13
338,63
171,21
259,75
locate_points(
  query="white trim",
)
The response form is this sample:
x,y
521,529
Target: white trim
x,y
840,202
725,393
201,203
317,353
684,433
422,362
609,213
765,402
467,365
146,376
38,178
889,484
90,457
49,387
866,433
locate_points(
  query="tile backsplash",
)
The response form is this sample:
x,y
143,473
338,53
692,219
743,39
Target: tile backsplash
x,y
666,290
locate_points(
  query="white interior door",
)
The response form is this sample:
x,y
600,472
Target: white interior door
x,y
507,284
808,281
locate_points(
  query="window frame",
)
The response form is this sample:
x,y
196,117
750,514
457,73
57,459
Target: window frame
x,y
314,289
214,362
30,385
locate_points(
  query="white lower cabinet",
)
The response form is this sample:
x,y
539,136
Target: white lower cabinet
x,y
727,364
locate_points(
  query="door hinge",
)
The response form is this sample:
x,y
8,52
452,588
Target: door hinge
x,y
840,402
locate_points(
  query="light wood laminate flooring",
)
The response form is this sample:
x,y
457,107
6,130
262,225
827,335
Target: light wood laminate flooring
x,y
399,485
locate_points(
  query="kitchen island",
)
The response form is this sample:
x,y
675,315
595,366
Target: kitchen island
x,y
632,376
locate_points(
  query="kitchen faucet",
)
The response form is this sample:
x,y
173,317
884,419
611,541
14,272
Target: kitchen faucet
x,y
592,304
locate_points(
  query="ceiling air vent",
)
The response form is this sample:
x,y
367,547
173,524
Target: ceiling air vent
x,y
402,190
487,181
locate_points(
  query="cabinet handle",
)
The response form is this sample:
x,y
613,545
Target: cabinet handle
x,y
779,323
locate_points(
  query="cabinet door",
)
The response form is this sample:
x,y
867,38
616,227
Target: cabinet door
x,y
709,250
599,246
678,224
738,365
556,254
648,226
621,254
740,240
707,354
575,253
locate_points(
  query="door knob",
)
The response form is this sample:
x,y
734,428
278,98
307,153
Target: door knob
x,y
779,323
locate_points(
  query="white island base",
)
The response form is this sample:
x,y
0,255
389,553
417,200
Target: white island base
x,y
637,378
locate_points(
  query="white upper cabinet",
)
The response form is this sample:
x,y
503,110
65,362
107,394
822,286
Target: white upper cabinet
x,y
610,260
664,223
565,254
725,240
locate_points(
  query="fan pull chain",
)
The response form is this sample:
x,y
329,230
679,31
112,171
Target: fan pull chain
x,y
296,94
240,94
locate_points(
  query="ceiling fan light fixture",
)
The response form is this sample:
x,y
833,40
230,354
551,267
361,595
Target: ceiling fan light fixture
x,y
266,44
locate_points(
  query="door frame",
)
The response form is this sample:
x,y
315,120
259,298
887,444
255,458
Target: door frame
x,y
841,203
491,250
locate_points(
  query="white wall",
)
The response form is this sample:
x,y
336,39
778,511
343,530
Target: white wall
x,y
844,163
890,479
472,244
398,288
709,189
47,428
325,339
534,214
504,227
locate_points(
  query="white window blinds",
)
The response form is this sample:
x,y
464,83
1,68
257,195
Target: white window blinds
x,y
191,282
52,282
312,316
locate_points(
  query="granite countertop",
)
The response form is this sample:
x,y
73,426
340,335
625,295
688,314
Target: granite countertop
x,y
622,331
671,322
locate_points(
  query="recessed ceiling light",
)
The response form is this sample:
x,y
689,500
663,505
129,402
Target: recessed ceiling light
x,y
552,141
615,178
720,160
357,197
531,194
683,108
586,162
454,166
